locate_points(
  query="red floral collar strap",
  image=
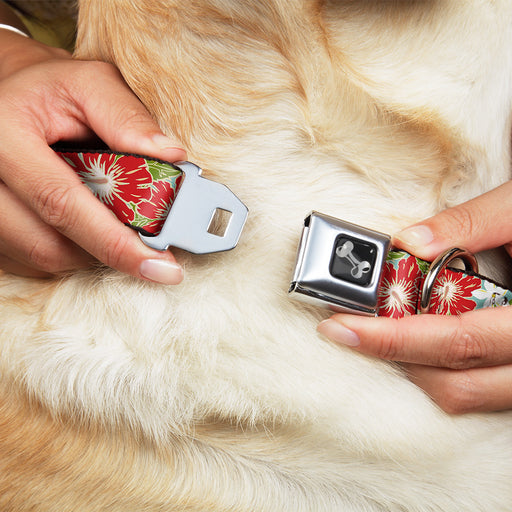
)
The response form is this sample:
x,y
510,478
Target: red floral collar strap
x,y
453,292
139,191
351,269
169,204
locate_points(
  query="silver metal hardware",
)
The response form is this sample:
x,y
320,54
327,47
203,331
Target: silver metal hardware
x,y
188,222
441,262
339,265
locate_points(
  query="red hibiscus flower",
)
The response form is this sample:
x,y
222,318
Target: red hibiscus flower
x,y
156,208
115,180
398,295
452,293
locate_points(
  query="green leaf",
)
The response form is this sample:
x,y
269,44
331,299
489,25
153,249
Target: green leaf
x,y
161,171
395,255
140,221
423,265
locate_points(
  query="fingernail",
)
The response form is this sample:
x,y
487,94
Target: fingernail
x,y
161,271
167,144
416,236
338,333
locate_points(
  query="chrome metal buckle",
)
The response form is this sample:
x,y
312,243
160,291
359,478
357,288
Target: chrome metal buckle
x,y
440,263
339,265
188,223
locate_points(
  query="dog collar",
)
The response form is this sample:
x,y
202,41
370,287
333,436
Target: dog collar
x,y
348,268
168,204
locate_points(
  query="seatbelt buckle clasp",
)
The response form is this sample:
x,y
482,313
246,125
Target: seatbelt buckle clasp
x,y
339,265
189,223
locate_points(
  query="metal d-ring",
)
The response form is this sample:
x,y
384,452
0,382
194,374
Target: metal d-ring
x,y
470,264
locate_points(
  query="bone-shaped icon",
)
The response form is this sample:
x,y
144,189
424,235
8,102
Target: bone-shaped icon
x,y
358,267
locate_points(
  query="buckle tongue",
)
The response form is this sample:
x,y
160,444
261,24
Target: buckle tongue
x,y
188,222
339,265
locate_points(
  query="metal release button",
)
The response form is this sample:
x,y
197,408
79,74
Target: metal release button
x,y
353,260
339,265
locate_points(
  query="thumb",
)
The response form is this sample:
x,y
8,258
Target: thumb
x,y
476,225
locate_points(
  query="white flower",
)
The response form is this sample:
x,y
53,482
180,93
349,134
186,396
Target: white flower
x,y
397,297
491,294
100,176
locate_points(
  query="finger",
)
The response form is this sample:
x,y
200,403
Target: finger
x,y
30,243
475,339
117,116
61,201
14,267
462,391
51,189
476,225
64,103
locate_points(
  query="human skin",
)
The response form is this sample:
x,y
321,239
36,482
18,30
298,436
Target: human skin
x,y
51,222
463,362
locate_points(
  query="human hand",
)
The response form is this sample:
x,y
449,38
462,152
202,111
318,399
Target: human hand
x,y
51,222
463,362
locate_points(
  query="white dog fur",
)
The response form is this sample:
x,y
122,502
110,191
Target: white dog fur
x,y
217,394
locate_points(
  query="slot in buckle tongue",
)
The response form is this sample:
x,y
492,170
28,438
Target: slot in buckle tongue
x,y
188,223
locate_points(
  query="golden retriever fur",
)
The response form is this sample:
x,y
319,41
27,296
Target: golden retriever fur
x,y
217,394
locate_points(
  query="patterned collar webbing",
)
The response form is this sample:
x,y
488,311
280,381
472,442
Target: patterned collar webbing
x,y
140,192
454,292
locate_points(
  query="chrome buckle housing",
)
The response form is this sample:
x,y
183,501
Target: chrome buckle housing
x,y
339,265
188,222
